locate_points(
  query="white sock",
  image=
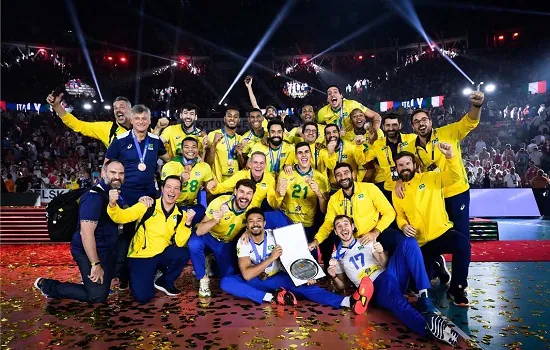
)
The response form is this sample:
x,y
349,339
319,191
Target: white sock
x,y
268,297
423,292
345,302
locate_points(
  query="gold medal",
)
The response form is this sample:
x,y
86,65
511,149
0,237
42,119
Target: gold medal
x,y
142,166
263,276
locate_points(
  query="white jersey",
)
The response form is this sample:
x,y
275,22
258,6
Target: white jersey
x,y
357,261
245,249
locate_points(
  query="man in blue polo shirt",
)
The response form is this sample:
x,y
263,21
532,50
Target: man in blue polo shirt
x,y
138,150
94,244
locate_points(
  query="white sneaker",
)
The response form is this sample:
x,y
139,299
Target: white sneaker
x,y
37,286
204,288
441,330
158,273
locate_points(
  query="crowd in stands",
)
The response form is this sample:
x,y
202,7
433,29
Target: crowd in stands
x,y
38,151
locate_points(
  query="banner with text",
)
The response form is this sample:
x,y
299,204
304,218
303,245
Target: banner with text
x,y
47,194
419,102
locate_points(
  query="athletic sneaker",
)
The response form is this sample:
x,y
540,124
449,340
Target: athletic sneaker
x,y
168,290
425,305
442,270
38,285
440,329
362,296
458,296
204,288
284,297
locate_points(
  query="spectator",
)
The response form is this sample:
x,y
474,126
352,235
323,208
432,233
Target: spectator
x,y
522,160
480,145
72,184
36,182
22,183
10,184
531,173
512,179
531,146
536,156
540,181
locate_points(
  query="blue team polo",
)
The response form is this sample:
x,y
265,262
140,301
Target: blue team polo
x,y
93,207
124,150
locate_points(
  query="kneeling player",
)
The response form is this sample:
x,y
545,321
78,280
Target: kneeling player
x,y
390,278
262,278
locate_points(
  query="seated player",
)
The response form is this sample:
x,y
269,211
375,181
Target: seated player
x,y
390,278
263,279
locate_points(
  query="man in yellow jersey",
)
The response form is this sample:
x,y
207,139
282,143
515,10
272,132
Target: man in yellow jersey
x,y
277,151
364,133
457,196
193,174
337,151
151,249
222,146
252,136
299,193
308,116
265,182
384,150
224,219
371,212
338,110
310,134
270,111
173,135
421,214
102,131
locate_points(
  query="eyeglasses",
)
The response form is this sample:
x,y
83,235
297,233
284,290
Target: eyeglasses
x,y
307,131
421,121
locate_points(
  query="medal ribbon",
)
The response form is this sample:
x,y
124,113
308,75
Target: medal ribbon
x,y
230,150
138,149
275,164
258,258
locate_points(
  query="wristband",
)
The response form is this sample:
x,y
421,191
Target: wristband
x,y
96,263
477,106
188,226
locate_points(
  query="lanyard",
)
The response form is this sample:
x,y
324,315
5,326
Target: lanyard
x,y
399,148
316,154
191,162
340,151
251,134
341,255
194,132
340,121
258,258
433,142
346,200
231,205
275,163
307,173
140,155
230,150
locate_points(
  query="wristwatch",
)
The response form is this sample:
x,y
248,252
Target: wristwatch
x,y
96,263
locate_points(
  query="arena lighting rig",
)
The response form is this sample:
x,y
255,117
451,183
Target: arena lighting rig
x,y
270,30
80,36
406,10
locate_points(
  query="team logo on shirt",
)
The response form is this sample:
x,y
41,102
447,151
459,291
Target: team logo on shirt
x,y
361,247
197,173
178,137
238,251
298,208
344,156
360,196
230,171
421,187
270,247
175,217
404,144
129,146
264,185
283,155
150,147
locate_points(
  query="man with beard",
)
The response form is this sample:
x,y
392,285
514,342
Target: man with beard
x,y
93,246
338,110
193,174
138,150
270,111
102,131
159,242
337,151
308,116
421,214
251,137
303,191
265,182
224,219
384,150
276,152
224,154
367,265
172,136
263,279
457,196
366,205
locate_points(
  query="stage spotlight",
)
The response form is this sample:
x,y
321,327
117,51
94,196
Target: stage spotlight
x,y
515,35
304,60
182,60
109,58
501,37
107,107
371,56
490,88
123,59
360,57
94,101
225,104
87,106
467,91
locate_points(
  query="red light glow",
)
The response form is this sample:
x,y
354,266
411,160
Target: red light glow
x,y
501,37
